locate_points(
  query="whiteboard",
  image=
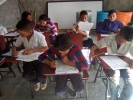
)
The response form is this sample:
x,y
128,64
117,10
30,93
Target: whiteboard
x,y
64,12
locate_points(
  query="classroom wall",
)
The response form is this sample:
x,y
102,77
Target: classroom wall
x,y
10,13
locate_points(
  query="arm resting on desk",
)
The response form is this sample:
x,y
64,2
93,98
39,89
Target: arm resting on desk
x,y
95,51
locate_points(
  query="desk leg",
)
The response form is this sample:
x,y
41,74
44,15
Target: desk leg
x,y
86,87
0,93
107,90
98,70
19,69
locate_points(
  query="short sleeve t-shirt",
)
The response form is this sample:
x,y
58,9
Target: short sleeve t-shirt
x,y
37,40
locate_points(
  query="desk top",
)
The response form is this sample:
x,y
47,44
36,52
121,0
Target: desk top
x,y
124,58
47,70
11,34
51,71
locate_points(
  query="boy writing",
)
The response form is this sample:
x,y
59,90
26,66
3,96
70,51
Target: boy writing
x,y
32,41
71,55
121,44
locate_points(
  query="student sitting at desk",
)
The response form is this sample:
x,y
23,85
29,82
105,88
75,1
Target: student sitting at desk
x,y
26,16
110,25
71,55
87,41
46,25
121,44
32,41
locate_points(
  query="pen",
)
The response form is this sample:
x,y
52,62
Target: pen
x,y
50,58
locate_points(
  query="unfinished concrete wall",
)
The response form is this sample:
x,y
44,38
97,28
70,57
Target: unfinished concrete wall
x,y
10,14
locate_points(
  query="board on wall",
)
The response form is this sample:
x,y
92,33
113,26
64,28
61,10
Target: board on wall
x,y
64,12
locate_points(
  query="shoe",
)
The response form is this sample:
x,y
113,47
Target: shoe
x,y
43,86
37,86
71,92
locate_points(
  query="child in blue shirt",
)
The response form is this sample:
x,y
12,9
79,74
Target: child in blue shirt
x,y
110,25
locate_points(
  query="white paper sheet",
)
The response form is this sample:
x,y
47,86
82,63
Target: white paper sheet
x,y
12,34
65,69
105,34
86,53
7,54
115,62
28,58
85,26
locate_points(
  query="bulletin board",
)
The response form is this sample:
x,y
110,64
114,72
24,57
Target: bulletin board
x,y
64,12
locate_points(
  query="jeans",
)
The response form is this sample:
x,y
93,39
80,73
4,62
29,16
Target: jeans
x,y
127,91
33,72
61,82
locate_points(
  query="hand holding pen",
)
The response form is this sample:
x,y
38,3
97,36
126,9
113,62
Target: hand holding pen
x,y
14,51
53,62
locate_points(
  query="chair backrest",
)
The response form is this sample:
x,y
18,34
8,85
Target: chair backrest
x,y
46,34
124,17
99,37
2,42
77,39
56,24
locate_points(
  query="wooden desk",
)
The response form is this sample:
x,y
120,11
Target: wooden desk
x,y
124,58
51,71
11,36
104,67
13,60
47,70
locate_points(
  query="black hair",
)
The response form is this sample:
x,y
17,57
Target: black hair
x,y
83,12
127,33
25,15
111,12
62,42
44,17
24,25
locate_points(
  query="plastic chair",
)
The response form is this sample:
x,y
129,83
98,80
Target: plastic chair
x,y
77,39
124,17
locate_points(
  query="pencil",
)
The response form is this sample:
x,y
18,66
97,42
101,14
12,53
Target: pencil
x,y
50,58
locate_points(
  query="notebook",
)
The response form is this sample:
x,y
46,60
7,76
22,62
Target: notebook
x,y
62,68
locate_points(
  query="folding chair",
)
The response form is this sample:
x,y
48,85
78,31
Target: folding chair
x,y
5,64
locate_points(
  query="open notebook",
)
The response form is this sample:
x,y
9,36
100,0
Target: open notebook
x,y
65,69
28,58
115,62
85,26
